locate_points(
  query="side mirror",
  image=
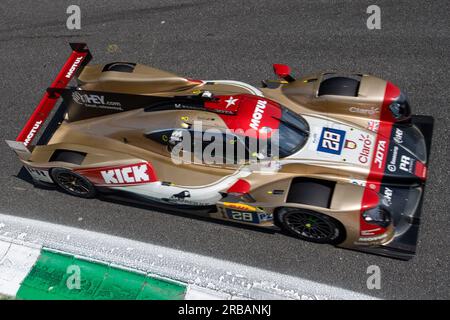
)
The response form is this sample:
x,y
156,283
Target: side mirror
x,y
283,71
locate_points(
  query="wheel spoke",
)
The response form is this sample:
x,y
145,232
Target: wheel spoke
x,y
325,228
324,235
309,226
73,183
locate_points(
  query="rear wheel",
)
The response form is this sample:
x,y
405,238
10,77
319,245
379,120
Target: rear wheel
x,y
311,226
73,183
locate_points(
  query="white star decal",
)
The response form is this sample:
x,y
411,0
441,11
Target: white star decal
x,y
230,102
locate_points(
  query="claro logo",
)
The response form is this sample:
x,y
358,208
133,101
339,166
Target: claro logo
x,y
370,111
125,175
32,133
257,114
73,67
365,151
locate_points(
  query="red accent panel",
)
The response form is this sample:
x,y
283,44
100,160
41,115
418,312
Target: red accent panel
x,y
124,175
420,170
248,113
379,161
281,70
195,80
240,186
371,199
376,175
369,230
47,103
226,104
380,152
391,93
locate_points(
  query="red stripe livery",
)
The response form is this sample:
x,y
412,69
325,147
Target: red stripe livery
x,y
80,55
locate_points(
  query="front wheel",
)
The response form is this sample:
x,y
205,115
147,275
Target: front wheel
x,y
73,183
311,226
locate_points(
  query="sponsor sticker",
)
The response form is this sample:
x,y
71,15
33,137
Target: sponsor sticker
x,y
39,174
32,132
331,141
373,125
257,114
358,182
380,153
231,102
73,67
406,164
125,175
366,147
121,175
398,136
387,199
248,216
392,165
240,206
365,240
95,101
349,144
370,111
181,195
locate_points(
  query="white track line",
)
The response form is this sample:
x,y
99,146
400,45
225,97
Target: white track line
x,y
16,261
194,292
229,280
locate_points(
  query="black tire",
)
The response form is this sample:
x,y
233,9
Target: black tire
x,y
311,226
73,183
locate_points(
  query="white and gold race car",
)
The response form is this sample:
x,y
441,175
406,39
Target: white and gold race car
x,y
332,158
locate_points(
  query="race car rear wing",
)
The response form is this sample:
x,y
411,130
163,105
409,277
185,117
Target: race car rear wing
x,y
79,57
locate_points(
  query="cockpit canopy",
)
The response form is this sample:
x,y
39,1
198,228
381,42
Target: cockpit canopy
x,y
237,146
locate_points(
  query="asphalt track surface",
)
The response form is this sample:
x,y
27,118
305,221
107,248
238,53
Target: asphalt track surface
x,y
239,40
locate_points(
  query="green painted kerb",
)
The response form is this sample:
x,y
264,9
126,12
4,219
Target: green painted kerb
x,y
49,278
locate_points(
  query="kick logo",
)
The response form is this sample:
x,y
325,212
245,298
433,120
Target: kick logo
x,y
133,174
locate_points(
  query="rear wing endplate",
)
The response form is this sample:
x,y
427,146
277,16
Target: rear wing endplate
x,y
79,57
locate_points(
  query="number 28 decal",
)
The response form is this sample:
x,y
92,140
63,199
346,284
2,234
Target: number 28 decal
x,y
331,141
251,217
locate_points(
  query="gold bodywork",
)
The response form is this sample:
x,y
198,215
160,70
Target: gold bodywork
x,y
118,138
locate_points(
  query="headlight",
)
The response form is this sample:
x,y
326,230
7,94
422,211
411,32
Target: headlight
x,y
400,108
378,216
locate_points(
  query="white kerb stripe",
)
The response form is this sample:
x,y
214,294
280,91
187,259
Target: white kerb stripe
x,y
16,261
194,292
233,279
